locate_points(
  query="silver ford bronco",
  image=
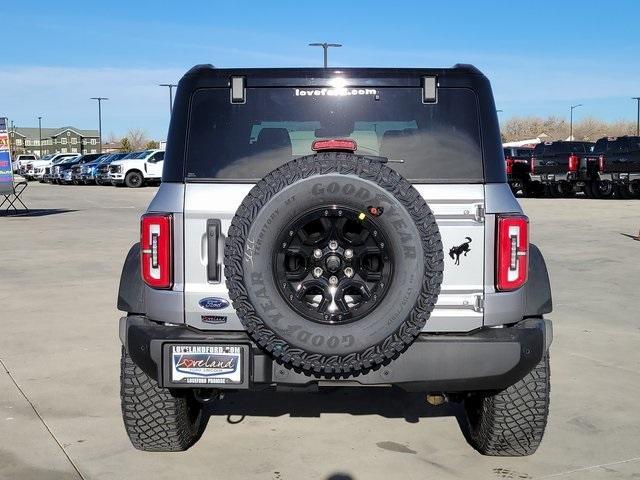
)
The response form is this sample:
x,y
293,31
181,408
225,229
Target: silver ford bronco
x,y
335,227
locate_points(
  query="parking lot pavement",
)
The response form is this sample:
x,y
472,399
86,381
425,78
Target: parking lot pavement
x,y
59,341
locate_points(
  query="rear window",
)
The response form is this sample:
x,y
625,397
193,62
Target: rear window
x,y
243,142
617,145
557,148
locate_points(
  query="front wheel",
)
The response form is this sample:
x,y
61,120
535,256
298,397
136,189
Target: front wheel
x,y
157,419
511,423
133,180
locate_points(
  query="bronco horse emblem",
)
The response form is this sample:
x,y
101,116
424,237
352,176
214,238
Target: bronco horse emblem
x,y
455,252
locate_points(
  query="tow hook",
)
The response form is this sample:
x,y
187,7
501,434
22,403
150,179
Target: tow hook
x,y
207,395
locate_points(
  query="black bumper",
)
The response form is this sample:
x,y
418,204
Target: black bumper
x,y
486,359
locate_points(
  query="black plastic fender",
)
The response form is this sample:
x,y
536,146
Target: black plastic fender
x,y
538,288
131,291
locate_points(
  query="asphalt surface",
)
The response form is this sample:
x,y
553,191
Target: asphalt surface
x,y
59,403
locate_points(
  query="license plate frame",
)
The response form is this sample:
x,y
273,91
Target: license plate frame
x,y
206,365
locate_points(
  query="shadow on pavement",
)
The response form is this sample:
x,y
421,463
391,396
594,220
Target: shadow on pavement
x,y
385,402
36,212
633,237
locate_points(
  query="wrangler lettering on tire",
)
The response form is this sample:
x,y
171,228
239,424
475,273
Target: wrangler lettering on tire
x,y
323,284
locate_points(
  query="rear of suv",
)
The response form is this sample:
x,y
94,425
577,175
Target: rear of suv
x,y
319,227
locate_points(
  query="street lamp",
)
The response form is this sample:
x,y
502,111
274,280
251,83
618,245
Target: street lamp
x,y
40,134
571,121
170,85
325,46
99,99
637,99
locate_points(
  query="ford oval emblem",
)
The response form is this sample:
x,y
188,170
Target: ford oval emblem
x,y
213,303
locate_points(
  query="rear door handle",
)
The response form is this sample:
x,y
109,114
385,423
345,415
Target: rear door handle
x,y
213,234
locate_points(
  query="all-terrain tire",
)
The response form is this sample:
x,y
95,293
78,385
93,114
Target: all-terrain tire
x,y
285,193
511,422
157,419
134,179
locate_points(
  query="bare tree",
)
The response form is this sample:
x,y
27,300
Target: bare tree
x,y
556,128
137,138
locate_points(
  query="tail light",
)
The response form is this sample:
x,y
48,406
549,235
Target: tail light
x,y
156,250
512,252
601,163
341,144
573,162
509,164
533,164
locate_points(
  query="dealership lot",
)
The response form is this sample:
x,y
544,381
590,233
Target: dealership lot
x,y
59,343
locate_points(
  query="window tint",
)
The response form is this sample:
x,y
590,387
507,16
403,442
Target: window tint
x,y
243,142
560,148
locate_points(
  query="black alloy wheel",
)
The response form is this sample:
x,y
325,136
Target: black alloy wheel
x,y
334,265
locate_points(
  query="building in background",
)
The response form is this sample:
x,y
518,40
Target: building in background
x,y
54,140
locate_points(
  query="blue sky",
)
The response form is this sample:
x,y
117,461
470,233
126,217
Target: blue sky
x,y
540,56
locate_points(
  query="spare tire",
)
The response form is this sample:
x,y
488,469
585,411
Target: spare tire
x,y
333,263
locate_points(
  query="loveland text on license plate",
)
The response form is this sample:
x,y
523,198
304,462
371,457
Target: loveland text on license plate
x,y
206,364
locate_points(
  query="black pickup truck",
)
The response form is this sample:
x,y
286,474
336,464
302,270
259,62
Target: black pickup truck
x,y
518,166
612,167
556,165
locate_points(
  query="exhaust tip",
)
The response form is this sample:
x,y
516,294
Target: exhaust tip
x,y
436,399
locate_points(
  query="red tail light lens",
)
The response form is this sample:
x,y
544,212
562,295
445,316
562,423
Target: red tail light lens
x,y
512,252
573,163
533,164
156,250
601,163
509,164
344,144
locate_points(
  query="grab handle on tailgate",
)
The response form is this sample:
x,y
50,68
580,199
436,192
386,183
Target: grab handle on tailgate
x,y
213,233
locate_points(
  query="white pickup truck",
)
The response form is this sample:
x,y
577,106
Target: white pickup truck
x,y
37,169
22,160
137,168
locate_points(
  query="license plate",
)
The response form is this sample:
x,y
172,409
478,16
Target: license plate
x,y
207,364
551,177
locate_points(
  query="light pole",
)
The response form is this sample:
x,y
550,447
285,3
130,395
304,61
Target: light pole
x,y
99,99
40,134
325,46
571,121
637,99
170,85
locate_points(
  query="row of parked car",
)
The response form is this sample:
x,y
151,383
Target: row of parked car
x,y
133,169
607,168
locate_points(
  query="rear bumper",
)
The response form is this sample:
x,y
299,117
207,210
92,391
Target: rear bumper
x,y
621,177
486,359
554,177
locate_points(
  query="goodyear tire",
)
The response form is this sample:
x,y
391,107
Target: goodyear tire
x,y
348,203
